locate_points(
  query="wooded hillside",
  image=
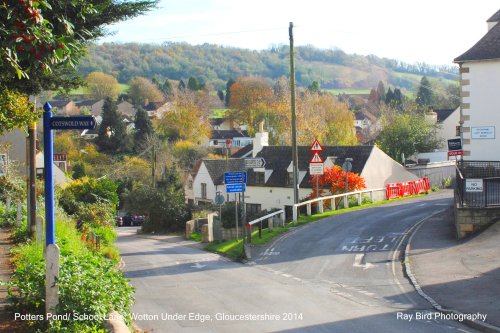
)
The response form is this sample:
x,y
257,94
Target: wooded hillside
x,y
214,65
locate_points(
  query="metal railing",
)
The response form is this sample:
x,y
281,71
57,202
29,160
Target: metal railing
x,y
320,201
269,217
487,172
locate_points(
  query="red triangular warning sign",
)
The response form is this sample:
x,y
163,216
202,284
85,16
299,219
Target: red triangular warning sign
x,y
316,146
316,158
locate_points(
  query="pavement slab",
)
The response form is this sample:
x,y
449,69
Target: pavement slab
x,y
459,275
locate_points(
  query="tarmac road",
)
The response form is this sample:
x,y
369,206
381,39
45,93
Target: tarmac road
x,y
340,274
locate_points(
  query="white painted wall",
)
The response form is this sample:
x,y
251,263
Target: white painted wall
x,y
203,177
484,100
447,128
273,197
380,169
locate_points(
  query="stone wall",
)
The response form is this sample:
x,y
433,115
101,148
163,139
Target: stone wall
x,y
231,233
472,220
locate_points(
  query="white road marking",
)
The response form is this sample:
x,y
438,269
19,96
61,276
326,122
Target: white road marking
x,y
358,258
198,265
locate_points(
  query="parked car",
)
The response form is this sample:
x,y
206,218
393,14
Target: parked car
x,y
132,220
138,219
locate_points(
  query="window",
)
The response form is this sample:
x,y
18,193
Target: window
x,y
253,209
204,190
190,184
260,178
289,180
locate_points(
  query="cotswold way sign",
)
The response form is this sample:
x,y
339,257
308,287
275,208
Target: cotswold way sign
x,y
69,123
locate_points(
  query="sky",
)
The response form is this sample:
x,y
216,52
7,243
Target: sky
x,y
431,31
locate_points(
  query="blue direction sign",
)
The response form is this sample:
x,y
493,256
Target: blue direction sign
x,y
236,177
70,123
236,188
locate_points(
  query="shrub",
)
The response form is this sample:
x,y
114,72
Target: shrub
x,y
88,190
88,282
164,205
98,213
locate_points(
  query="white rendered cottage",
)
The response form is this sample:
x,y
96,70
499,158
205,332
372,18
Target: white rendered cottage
x,y
480,92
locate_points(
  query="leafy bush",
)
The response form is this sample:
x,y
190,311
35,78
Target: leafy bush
x,y
164,205
88,282
98,213
7,218
88,190
447,182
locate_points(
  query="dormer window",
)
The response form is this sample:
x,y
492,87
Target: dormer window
x,y
260,178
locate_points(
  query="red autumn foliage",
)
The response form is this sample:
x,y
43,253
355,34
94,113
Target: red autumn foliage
x,y
333,182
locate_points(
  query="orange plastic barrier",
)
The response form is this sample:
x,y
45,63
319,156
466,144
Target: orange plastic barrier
x,y
407,188
391,191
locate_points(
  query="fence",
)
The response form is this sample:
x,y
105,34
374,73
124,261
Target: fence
x,y
270,221
332,198
486,173
407,188
435,172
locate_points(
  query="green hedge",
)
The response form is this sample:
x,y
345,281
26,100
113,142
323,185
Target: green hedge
x,y
88,283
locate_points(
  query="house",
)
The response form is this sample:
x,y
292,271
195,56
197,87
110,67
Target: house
x,y
221,124
480,82
60,178
157,109
127,109
92,106
361,121
233,137
63,107
448,121
271,186
477,203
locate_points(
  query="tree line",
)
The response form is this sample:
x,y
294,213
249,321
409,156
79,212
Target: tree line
x,y
214,65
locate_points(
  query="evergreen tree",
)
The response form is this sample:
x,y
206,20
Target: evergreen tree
x,y
229,83
373,98
181,86
156,82
143,128
193,84
112,134
167,88
381,91
389,96
220,94
398,97
425,95
314,87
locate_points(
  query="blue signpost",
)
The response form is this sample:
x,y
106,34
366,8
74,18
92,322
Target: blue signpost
x,y
56,123
235,177
48,151
235,188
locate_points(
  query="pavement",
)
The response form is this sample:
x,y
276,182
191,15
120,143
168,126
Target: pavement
x,y
462,276
4,269
7,323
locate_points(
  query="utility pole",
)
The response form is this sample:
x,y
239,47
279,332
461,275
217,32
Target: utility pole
x,y
32,178
31,173
294,121
153,165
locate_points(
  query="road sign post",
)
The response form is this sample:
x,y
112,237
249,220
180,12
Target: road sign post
x,y
347,166
251,163
49,176
52,251
316,163
71,123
